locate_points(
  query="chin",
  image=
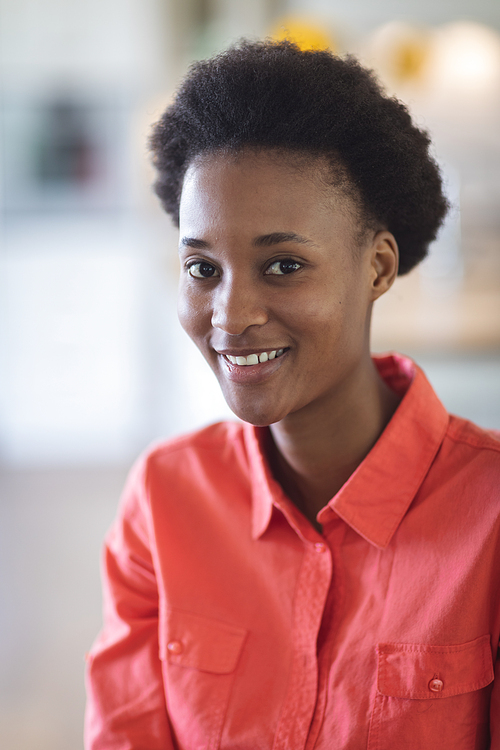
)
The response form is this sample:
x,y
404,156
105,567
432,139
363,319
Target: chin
x,y
258,420
251,413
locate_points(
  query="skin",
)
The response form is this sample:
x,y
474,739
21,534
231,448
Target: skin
x,y
241,216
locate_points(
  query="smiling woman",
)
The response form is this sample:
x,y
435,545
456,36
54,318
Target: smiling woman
x,y
271,242
326,574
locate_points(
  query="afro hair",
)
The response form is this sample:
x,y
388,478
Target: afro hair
x,y
273,95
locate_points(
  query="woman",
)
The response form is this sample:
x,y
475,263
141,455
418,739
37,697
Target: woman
x,y
326,574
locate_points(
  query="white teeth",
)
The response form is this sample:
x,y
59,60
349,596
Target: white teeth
x,y
254,359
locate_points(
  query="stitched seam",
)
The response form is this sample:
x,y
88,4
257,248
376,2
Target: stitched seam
x,y
218,722
479,445
281,729
375,723
424,649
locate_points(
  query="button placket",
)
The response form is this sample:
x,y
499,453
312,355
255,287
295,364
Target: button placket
x,y
311,593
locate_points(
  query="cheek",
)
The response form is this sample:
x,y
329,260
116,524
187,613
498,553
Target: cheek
x,y
192,314
321,314
335,321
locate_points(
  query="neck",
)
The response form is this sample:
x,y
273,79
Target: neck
x,y
314,451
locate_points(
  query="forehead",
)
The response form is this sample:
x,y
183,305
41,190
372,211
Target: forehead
x,y
262,192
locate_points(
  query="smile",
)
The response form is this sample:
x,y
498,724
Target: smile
x,y
254,359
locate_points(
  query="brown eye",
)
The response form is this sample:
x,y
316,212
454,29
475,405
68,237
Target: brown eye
x,y
202,270
283,267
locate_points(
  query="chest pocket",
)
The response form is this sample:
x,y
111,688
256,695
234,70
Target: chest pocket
x,y
199,656
432,695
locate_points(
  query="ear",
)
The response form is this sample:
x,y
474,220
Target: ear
x,y
384,263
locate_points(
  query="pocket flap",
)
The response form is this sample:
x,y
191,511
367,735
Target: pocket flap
x,y
200,642
413,670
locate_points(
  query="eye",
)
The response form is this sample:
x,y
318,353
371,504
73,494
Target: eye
x,y
282,267
202,270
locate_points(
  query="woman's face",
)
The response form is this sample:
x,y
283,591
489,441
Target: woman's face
x,y
275,289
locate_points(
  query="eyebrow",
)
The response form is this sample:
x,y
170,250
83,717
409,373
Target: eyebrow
x,y
277,238
265,240
194,243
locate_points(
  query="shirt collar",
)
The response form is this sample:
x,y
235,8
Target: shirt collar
x,y
376,497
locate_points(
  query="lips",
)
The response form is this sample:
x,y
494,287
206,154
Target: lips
x,y
254,359
251,368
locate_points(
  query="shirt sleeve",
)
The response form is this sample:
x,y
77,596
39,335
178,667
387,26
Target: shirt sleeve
x,y
126,707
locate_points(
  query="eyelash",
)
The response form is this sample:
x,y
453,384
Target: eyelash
x,y
283,262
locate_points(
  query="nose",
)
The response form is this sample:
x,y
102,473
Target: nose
x,y
237,306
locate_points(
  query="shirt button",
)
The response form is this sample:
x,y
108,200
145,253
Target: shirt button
x,y
320,547
175,647
436,686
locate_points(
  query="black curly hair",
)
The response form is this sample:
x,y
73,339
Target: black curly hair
x,y
273,95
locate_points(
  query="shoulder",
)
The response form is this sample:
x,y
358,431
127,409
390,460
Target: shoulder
x,y
472,456
213,446
198,476
214,437
466,433
185,464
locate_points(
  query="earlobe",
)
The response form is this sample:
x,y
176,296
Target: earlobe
x,y
385,261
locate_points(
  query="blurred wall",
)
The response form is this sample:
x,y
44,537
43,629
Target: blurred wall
x,y
363,16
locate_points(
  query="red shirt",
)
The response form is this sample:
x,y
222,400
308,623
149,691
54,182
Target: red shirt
x,y
230,622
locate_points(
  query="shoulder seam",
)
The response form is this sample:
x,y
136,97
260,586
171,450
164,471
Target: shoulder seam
x,y
487,444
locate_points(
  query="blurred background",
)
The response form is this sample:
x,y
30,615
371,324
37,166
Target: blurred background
x,y
93,364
